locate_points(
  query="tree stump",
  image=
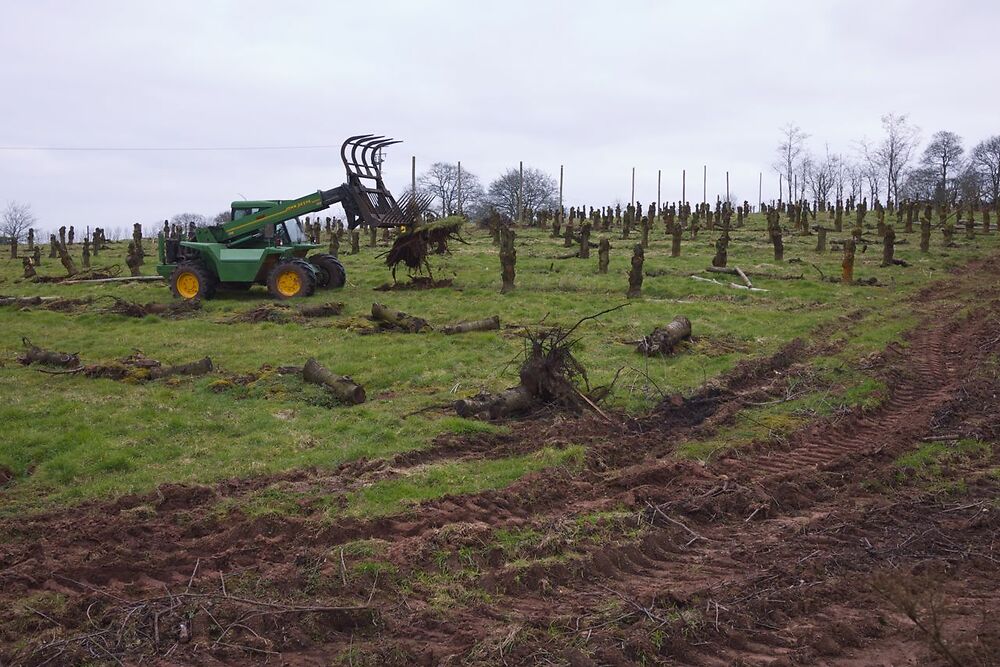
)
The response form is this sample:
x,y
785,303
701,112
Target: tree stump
x,y
847,266
132,260
334,245
888,245
29,268
721,251
603,252
37,258
925,234
778,243
568,235
67,261
13,247
372,236
644,241
556,225
508,259
585,241
355,241
86,252
676,235
53,247
986,220
948,234
821,239
635,273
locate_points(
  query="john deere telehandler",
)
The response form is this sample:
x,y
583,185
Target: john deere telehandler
x,y
263,242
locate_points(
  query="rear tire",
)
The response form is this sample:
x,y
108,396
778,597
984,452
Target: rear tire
x,y
291,279
330,273
191,281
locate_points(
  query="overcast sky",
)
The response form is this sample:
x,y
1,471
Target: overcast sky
x,y
599,87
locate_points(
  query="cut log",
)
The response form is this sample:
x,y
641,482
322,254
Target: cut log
x,y
36,355
398,319
341,386
200,367
488,324
510,402
663,340
322,310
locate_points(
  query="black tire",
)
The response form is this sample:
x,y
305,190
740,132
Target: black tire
x,y
291,279
191,281
330,273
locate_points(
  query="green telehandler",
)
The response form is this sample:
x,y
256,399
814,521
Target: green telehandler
x,y
263,242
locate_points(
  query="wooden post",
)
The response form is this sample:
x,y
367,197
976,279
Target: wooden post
x,y
727,188
632,201
413,179
560,189
683,186
460,187
760,190
659,174
520,192
704,185
780,190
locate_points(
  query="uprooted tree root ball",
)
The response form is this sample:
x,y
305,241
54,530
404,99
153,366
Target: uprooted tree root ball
x,y
550,376
412,248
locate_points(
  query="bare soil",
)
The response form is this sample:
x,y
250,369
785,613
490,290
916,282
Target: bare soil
x,y
810,551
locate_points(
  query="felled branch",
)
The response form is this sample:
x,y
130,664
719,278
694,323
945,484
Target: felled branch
x,y
397,319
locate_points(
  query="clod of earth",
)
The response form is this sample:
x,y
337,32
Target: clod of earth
x,y
391,318
341,386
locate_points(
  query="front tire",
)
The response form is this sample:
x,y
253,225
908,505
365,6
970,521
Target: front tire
x,y
191,281
330,273
291,279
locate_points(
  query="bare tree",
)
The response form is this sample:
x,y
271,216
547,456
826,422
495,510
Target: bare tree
x,y
969,185
803,175
790,153
441,181
986,159
895,152
183,219
855,178
944,155
871,169
920,184
16,220
540,191
823,176
222,217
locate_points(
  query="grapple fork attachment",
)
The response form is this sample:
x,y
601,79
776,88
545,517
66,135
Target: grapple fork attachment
x,y
373,204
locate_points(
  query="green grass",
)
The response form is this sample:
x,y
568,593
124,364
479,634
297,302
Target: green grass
x,y
68,438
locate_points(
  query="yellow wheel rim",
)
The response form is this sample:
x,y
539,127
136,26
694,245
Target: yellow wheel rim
x,y
289,283
188,285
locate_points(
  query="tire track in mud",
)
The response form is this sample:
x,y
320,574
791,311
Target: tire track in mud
x,y
906,415
702,568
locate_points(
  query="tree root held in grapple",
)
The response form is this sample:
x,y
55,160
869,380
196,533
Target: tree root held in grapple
x,y
36,355
341,386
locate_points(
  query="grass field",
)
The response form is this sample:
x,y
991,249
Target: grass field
x,y
68,438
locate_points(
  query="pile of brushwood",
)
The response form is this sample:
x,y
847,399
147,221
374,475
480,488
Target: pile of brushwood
x,y
550,376
280,313
412,248
128,308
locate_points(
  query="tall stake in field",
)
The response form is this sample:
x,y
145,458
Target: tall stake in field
x,y
585,241
603,250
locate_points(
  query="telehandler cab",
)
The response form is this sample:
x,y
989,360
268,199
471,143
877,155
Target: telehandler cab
x,y
263,242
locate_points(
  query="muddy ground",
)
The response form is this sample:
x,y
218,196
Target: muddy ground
x,y
807,550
